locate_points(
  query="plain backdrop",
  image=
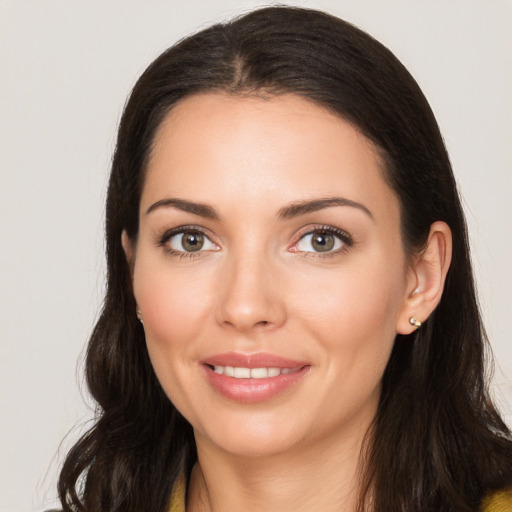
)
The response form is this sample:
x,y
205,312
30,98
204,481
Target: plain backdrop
x,y
66,68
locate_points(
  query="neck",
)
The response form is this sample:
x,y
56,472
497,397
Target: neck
x,y
324,476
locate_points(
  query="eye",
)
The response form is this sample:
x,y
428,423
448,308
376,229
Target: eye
x,y
190,241
323,241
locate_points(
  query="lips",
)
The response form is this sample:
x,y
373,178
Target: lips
x,y
251,378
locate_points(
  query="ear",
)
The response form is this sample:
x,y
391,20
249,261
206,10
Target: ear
x,y
426,278
129,251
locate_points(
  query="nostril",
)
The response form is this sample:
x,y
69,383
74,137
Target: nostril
x,y
252,312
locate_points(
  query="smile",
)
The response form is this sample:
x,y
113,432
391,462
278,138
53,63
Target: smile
x,y
253,378
253,373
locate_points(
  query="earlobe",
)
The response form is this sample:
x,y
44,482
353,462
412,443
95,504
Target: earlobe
x,y
426,280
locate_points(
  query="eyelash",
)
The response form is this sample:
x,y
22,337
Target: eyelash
x,y
164,239
345,238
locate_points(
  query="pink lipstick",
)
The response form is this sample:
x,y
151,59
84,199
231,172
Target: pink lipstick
x,y
251,378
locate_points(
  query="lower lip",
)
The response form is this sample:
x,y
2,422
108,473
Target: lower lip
x,y
253,390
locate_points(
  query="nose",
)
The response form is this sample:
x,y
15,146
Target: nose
x,y
250,298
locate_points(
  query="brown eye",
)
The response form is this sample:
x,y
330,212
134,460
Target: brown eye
x,y
321,241
190,241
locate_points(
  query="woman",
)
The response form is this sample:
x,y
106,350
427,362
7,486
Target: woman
x,y
290,320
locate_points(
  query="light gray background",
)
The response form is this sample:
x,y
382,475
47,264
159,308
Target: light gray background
x,y
66,68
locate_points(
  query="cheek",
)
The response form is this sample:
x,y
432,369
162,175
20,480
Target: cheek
x,y
366,298
167,297
353,316
173,304
353,322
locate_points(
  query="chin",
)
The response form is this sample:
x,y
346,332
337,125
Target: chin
x,y
254,437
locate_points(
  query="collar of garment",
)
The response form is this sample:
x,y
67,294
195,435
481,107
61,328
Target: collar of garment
x,y
495,502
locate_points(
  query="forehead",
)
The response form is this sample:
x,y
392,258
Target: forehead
x,y
222,148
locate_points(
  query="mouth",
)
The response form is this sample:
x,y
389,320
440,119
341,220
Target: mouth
x,y
240,372
253,378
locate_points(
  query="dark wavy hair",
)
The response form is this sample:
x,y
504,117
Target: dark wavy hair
x,y
437,442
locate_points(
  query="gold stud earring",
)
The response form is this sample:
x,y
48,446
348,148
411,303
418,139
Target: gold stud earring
x,y
415,322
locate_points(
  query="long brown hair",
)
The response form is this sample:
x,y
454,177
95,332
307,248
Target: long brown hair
x,y
437,442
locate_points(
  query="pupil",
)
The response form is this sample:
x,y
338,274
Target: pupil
x,y
323,242
193,241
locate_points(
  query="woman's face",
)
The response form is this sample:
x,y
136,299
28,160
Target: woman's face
x,y
269,271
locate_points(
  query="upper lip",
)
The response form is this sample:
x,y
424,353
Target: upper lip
x,y
257,360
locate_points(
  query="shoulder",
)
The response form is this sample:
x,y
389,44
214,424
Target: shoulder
x,y
498,502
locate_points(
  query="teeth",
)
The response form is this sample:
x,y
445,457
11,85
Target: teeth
x,y
242,373
259,373
253,373
274,372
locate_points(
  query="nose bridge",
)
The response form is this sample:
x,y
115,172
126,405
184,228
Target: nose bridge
x,y
249,295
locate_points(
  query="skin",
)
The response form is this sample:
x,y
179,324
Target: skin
x,y
259,285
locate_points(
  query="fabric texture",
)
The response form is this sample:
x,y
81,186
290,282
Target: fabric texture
x,y
497,502
178,495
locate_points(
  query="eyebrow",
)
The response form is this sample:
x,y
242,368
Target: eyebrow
x,y
303,207
290,211
201,209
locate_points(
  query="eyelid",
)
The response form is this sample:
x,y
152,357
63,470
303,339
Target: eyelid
x,y
163,240
345,238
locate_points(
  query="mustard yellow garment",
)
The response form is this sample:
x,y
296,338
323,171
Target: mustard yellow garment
x,y
497,502
178,495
